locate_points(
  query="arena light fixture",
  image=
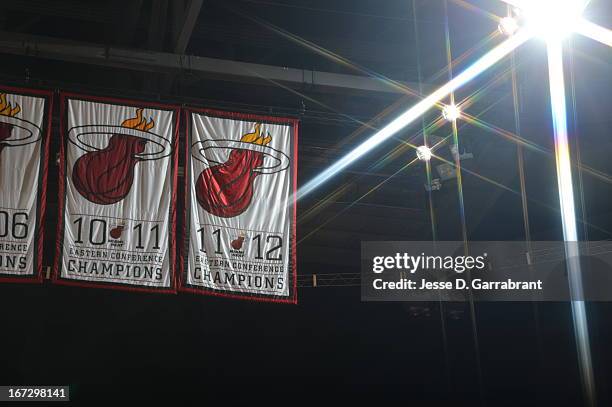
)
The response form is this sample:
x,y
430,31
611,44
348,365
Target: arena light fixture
x,y
508,26
423,153
451,112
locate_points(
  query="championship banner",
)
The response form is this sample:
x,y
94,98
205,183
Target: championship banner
x,y
25,117
241,176
118,179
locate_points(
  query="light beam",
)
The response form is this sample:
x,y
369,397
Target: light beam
x,y
568,217
594,32
481,65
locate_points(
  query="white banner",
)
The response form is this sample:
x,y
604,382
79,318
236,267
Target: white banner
x,y
23,164
240,220
118,194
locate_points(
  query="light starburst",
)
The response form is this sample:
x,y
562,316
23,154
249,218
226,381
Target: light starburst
x,y
552,20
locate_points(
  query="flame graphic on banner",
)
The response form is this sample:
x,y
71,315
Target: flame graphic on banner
x,y
138,122
6,109
255,137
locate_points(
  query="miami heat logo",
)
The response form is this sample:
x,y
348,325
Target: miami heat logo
x,y
14,131
105,173
226,188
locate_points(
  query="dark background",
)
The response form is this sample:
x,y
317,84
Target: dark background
x,y
110,345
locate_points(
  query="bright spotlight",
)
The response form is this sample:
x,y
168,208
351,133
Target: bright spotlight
x,y
551,19
451,112
423,153
508,26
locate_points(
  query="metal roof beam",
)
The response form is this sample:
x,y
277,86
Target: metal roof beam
x,y
185,30
213,68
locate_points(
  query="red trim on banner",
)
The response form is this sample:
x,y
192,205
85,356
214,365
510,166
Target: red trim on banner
x,y
60,193
24,280
47,121
43,195
173,202
294,236
111,286
184,245
292,299
258,298
119,101
244,116
27,91
56,279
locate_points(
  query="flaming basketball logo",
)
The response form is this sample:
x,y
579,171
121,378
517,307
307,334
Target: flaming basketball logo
x,y
116,232
105,176
8,111
237,243
226,189
13,130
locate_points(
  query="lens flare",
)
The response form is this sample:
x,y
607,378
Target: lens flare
x,y
451,112
568,215
550,19
508,26
481,65
423,153
595,32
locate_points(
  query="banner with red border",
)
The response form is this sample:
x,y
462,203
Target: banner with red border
x,y
117,204
25,125
240,220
